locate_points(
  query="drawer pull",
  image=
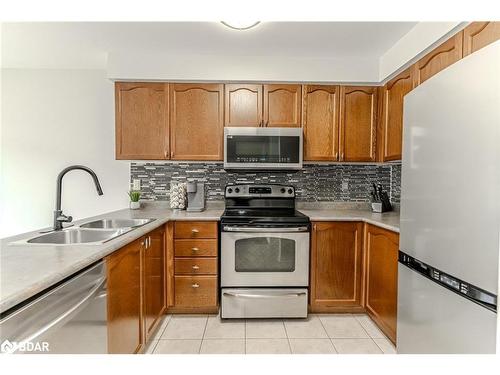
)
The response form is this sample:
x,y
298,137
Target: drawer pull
x,y
194,249
195,267
194,231
195,286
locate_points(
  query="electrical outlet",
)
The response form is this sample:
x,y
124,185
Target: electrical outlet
x,y
345,185
136,184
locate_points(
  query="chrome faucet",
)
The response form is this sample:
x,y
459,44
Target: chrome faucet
x,y
59,217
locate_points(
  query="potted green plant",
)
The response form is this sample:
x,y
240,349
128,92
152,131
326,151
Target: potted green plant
x,y
134,195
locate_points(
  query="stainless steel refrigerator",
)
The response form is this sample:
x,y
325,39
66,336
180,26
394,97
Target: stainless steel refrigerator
x,y
450,210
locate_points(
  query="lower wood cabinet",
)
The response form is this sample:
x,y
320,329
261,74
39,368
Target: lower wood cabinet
x,y
192,266
124,299
136,292
336,267
381,247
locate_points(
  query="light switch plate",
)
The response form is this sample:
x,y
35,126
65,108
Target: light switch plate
x,y
136,184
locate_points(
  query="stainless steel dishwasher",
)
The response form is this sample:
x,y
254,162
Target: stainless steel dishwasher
x,y
68,318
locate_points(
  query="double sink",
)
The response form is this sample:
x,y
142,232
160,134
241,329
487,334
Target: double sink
x,y
92,233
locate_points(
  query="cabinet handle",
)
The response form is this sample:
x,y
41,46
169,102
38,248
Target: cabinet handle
x,y
342,156
195,286
194,249
195,267
194,231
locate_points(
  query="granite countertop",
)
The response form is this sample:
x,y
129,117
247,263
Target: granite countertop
x,y
26,270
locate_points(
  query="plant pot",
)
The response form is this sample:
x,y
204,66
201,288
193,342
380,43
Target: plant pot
x,y
135,205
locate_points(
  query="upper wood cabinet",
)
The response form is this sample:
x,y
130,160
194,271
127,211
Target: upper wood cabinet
x,y
196,121
381,249
282,105
320,113
124,299
391,137
154,298
243,105
479,34
141,115
438,59
336,266
358,123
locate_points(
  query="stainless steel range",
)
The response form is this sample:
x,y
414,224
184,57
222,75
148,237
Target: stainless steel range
x,y
264,253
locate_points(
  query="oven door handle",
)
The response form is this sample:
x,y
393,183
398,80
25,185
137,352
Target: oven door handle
x,y
227,228
245,295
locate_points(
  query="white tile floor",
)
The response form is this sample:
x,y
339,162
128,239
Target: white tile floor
x,y
318,334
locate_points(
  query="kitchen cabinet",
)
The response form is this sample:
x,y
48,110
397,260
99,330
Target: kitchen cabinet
x,y
192,266
320,113
154,279
124,299
391,121
196,121
358,119
478,35
381,249
243,105
136,292
336,267
438,59
141,115
282,105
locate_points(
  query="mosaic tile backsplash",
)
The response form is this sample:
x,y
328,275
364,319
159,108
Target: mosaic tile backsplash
x,y
313,183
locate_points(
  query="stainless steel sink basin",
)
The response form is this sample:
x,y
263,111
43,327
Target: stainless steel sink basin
x,y
116,223
73,236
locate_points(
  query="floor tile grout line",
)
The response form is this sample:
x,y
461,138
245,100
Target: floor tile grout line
x,y
203,336
368,333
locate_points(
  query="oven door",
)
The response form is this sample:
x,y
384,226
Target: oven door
x,y
269,257
258,148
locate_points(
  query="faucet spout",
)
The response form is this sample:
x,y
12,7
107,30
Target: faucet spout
x,y
59,218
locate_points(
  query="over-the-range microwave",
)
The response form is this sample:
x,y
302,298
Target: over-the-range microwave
x,y
262,148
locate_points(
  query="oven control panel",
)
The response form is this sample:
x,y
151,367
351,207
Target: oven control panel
x,y
256,191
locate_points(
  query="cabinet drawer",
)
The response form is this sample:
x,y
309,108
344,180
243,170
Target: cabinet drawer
x,y
193,266
195,291
195,248
195,229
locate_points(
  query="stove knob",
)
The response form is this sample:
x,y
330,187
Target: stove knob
x,y
229,190
237,190
283,190
290,191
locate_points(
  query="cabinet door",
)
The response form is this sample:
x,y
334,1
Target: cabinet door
x,y
154,278
196,121
438,59
124,299
336,267
392,116
479,34
321,122
243,105
358,115
381,248
282,105
141,114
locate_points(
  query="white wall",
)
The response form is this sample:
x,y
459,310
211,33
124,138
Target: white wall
x,y
136,65
52,119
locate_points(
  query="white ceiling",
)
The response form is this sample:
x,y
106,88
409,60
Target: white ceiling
x,y
86,45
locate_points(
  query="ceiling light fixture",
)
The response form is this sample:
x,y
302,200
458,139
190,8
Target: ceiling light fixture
x,y
240,25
